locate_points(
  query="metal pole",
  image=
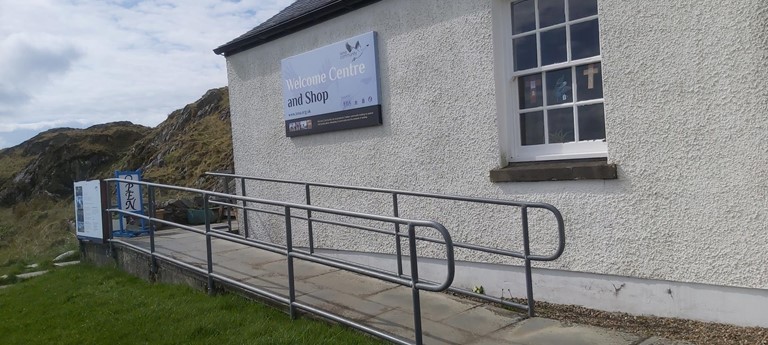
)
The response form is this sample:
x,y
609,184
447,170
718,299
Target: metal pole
x,y
289,249
110,225
229,215
527,254
152,214
245,212
209,252
309,221
398,249
414,280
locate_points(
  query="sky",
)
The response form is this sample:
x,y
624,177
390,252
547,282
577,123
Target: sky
x,y
76,63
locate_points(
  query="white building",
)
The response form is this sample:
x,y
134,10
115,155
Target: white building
x,y
644,122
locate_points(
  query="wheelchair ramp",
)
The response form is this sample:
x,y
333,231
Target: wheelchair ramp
x,y
384,306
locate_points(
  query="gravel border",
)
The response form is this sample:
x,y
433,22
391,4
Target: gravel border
x,y
695,332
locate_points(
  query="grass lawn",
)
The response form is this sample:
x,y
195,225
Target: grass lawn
x,y
92,305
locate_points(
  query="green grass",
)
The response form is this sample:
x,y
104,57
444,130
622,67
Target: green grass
x,y
11,163
35,231
91,305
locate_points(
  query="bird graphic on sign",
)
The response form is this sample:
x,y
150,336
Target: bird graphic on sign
x,y
356,50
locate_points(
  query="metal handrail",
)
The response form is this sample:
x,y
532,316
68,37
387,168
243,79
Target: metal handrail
x,y
290,252
525,254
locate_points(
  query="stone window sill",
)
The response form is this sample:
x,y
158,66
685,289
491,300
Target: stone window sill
x,y
568,170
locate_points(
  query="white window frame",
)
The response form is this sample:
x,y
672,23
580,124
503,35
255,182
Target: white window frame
x,y
507,93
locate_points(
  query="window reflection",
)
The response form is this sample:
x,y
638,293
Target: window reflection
x,y
585,40
553,47
581,8
525,52
560,123
591,122
532,128
551,12
523,16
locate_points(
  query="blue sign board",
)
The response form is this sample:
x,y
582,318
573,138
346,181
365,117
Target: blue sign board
x,y
129,199
332,88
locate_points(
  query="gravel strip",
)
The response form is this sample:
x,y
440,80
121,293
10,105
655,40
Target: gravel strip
x,y
695,332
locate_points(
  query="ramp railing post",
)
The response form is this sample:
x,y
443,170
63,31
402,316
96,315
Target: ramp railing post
x,y
527,259
289,250
110,225
152,212
309,221
414,280
398,249
208,250
227,190
245,205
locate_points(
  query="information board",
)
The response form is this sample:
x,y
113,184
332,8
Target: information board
x,y
332,88
89,221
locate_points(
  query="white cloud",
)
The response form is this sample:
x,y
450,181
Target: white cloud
x,y
96,61
38,126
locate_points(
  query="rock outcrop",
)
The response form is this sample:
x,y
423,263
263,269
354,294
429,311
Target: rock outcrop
x,y
48,163
189,142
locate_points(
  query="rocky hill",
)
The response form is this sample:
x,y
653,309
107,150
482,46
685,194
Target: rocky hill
x,y
192,140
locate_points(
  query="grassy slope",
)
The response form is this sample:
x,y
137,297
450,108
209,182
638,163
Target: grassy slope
x,y
38,230
88,305
12,163
33,231
206,146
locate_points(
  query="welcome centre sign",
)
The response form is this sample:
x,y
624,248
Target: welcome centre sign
x,y
332,88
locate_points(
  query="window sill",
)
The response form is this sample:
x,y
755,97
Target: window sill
x,y
569,170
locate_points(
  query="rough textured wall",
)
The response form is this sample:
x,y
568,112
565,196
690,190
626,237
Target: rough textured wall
x,y
686,112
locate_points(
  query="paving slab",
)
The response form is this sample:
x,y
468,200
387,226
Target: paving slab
x,y
446,319
327,297
483,319
301,269
220,246
434,306
253,256
401,323
351,283
236,270
541,331
173,233
281,281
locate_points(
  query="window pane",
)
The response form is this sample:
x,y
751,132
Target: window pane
x,y
589,82
523,16
551,12
532,128
581,8
559,86
553,48
560,122
530,91
525,52
585,40
591,122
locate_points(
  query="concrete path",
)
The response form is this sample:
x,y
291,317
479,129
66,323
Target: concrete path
x,y
446,319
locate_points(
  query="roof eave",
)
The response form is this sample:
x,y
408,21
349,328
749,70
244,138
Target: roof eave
x,y
292,25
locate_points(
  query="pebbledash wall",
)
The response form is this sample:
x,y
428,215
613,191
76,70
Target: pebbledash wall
x,y
682,231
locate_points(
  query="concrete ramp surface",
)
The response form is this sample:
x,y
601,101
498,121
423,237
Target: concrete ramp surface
x,y
384,306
